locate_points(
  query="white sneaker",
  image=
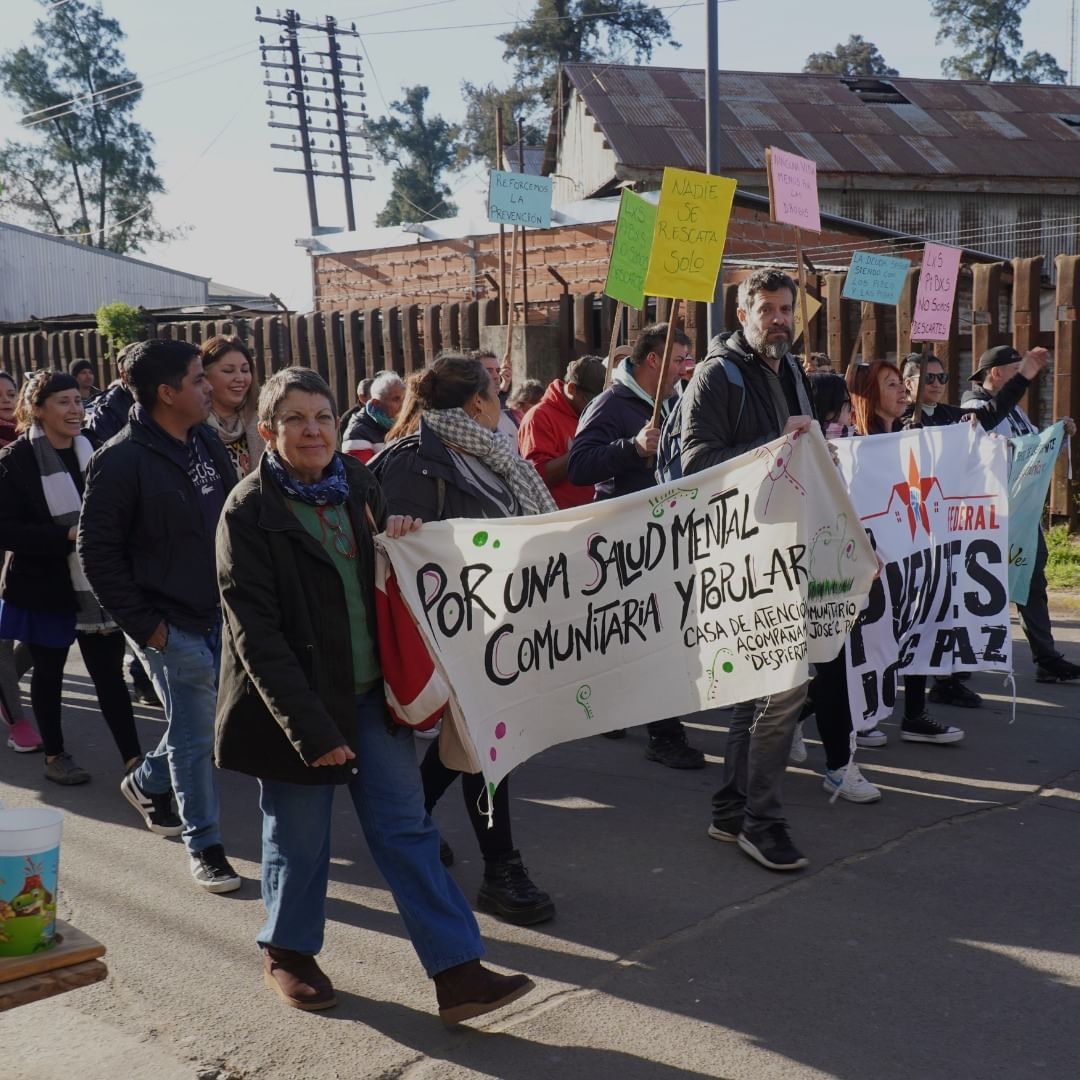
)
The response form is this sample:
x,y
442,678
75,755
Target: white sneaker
x,y
871,740
798,753
850,784
430,733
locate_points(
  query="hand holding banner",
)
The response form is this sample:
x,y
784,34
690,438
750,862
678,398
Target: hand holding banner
x,y
689,236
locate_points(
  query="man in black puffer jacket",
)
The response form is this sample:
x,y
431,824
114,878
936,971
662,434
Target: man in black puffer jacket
x,y
748,392
154,494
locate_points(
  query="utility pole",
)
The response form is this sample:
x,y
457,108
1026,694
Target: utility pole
x,y
287,68
712,131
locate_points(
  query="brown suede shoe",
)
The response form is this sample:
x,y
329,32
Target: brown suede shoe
x,y
297,979
470,989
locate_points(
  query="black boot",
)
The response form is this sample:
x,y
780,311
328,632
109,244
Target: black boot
x,y
507,892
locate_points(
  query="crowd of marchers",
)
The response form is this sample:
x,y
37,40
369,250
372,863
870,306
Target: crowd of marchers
x,y
219,535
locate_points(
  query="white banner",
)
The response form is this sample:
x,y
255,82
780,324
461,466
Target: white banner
x,y
717,589
934,502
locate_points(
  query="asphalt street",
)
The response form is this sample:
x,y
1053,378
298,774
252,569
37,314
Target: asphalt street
x,y
936,934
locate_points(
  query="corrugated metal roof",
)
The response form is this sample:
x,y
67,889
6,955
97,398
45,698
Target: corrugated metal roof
x,y
47,275
924,127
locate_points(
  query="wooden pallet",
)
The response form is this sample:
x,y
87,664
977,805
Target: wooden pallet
x,y
72,962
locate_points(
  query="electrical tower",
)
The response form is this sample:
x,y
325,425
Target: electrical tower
x,y
287,67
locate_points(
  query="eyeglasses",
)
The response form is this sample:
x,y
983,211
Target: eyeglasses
x,y
937,377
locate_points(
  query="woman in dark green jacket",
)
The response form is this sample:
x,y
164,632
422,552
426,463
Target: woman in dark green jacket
x,y
301,706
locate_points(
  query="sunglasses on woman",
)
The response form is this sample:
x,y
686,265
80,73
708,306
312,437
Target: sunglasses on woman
x,y
937,377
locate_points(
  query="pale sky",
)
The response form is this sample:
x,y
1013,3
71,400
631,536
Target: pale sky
x,y
204,97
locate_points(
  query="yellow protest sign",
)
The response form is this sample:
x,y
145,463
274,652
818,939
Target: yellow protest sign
x,y
689,235
813,306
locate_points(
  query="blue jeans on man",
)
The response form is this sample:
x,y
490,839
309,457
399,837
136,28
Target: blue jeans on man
x,y
185,676
387,794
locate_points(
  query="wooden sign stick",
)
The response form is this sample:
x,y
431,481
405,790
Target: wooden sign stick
x,y
510,309
917,415
853,366
616,326
669,344
802,296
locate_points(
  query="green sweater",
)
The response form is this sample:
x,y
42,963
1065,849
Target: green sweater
x,y
366,671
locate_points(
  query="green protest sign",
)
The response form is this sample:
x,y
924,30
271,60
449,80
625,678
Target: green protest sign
x,y
630,250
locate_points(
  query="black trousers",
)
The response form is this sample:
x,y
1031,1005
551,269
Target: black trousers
x,y
1035,614
495,843
103,655
827,699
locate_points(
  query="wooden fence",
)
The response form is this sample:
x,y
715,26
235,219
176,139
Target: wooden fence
x,y
998,303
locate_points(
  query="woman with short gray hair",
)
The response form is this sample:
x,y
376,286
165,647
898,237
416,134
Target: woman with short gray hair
x,y
301,706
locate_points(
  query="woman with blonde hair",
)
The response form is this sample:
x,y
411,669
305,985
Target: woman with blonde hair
x,y
234,400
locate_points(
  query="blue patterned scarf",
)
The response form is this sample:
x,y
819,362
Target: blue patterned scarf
x,y
332,489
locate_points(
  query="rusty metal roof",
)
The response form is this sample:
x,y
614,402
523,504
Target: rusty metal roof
x,y
652,117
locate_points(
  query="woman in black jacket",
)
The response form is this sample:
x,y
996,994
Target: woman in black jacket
x,y
445,459
45,600
301,706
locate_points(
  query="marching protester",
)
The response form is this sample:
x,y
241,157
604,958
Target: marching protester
x,y
995,371
363,393
615,450
445,458
501,377
45,601
146,541
880,404
302,707
364,436
747,392
14,660
108,412
933,412
230,371
82,371
528,395
548,430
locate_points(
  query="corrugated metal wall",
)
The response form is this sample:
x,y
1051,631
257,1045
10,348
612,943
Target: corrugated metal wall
x,y
42,276
1011,226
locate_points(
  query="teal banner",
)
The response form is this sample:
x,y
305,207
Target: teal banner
x,y
1032,468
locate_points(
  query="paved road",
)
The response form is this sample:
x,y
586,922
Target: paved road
x,y
935,935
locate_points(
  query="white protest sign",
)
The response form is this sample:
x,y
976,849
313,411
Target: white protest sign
x,y
935,503
716,589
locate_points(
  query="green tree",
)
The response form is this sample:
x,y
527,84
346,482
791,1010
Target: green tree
x,y
88,168
422,148
558,32
857,57
120,323
987,35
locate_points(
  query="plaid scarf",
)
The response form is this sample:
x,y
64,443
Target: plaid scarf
x,y
64,503
494,449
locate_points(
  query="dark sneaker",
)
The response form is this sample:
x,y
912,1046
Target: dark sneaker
x,y
62,770
157,811
1057,670
212,871
675,752
772,847
952,691
726,829
926,729
446,853
470,989
297,979
618,733
508,892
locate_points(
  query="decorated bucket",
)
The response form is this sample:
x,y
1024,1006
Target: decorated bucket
x,y
29,861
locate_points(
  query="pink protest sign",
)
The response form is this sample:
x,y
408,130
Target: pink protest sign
x,y
937,293
793,191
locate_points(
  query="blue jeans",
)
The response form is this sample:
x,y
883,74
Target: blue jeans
x,y
185,675
389,801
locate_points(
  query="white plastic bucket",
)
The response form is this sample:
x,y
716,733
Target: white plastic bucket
x,y
29,863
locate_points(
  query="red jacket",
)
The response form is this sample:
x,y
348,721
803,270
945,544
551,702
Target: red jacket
x,y
545,434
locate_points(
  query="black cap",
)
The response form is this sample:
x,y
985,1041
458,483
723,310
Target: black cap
x,y
996,357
